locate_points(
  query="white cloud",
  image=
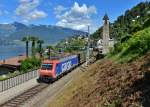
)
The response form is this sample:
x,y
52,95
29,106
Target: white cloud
x,y
83,9
38,14
78,17
59,9
28,11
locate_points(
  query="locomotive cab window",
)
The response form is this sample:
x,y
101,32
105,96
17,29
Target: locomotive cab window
x,y
47,66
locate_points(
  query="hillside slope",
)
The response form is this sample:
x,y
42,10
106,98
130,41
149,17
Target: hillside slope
x,y
128,23
134,47
109,84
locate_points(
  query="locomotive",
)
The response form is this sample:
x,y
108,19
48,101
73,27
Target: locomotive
x,y
54,68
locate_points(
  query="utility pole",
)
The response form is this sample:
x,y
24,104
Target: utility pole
x,y
88,47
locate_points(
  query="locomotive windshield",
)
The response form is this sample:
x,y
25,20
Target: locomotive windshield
x,y
47,66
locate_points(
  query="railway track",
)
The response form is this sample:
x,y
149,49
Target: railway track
x,y
19,100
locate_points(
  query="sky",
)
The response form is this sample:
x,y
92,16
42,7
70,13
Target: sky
x,y
75,14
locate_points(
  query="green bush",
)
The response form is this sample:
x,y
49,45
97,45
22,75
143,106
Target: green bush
x,y
146,23
30,63
125,38
139,43
135,27
136,46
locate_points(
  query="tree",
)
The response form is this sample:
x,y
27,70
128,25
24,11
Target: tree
x,y
135,27
146,23
26,39
34,40
49,50
40,42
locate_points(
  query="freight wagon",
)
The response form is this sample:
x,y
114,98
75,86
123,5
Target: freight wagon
x,y
54,68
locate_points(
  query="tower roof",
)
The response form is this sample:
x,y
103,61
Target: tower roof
x,y
106,17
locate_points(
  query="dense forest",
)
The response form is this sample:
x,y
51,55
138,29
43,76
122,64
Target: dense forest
x,y
130,22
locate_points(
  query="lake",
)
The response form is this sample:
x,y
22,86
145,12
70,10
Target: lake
x,y
11,51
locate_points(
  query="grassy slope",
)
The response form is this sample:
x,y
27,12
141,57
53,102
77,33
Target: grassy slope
x,y
108,84
133,48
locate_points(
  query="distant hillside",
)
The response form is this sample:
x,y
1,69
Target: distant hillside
x,y
130,22
50,34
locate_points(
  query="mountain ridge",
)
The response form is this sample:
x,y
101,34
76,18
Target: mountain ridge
x,y
48,33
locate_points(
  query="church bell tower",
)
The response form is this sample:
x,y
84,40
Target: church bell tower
x,y
106,34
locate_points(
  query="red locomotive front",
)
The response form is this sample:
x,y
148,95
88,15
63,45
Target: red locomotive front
x,y
47,70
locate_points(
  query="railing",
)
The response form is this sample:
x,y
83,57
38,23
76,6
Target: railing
x,y
12,82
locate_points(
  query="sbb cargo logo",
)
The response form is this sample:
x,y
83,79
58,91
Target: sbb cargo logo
x,y
66,66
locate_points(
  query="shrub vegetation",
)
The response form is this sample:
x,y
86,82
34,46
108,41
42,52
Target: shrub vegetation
x,y
134,47
29,64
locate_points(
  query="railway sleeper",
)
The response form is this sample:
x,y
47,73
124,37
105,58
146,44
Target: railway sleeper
x,y
10,105
14,103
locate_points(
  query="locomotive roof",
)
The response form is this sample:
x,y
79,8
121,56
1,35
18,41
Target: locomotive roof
x,y
59,59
